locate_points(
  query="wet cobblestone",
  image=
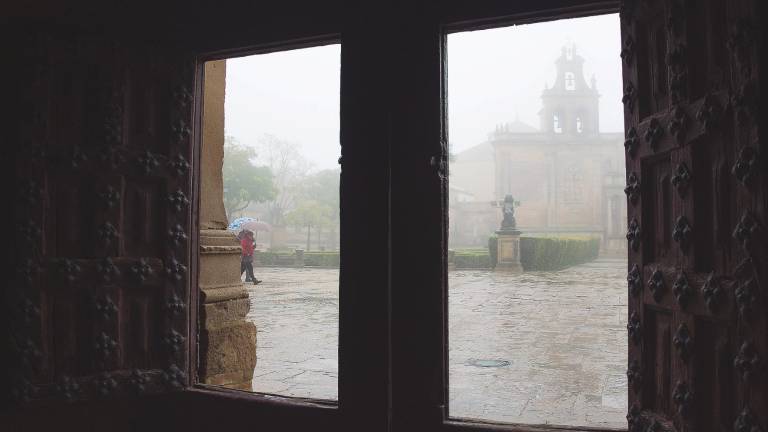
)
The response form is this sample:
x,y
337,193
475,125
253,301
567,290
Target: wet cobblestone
x,y
563,334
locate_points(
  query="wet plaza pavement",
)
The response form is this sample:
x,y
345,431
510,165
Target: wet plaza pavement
x,y
538,347
563,334
296,312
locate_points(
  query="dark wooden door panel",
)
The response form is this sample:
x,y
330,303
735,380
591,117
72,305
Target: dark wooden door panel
x,y
697,245
99,301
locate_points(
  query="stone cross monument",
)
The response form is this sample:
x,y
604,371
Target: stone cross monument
x,y
509,239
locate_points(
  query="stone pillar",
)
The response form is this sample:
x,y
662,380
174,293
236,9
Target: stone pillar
x,y
298,258
508,250
227,341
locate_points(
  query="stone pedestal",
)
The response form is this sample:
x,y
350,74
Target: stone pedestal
x,y
227,341
508,250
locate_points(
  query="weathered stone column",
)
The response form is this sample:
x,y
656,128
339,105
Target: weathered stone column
x,y
227,340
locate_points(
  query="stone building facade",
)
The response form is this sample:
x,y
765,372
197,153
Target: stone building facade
x,y
567,175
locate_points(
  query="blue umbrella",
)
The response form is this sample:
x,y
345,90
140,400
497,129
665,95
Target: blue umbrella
x,y
236,225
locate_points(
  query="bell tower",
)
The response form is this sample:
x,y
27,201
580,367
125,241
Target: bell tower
x,y
570,106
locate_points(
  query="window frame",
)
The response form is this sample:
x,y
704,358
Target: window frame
x,y
557,123
361,315
454,24
404,315
209,391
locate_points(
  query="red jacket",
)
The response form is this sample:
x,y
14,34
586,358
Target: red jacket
x,y
247,245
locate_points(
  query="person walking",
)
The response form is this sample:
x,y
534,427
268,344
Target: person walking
x,y
246,262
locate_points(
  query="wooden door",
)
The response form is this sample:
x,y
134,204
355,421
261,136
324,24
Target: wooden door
x,y
696,190
98,305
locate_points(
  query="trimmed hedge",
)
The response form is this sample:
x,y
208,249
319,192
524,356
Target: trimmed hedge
x,y
555,253
321,259
536,253
471,259
288,259
274,258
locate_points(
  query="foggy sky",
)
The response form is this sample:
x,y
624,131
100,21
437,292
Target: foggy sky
x,y
293,95
494,76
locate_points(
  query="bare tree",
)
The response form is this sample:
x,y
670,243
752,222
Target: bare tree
x,y
289,168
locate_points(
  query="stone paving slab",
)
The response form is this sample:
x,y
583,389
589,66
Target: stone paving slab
x,y
563,334
296,312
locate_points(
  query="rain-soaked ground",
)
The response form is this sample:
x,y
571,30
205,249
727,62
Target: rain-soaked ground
x,y
538,347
